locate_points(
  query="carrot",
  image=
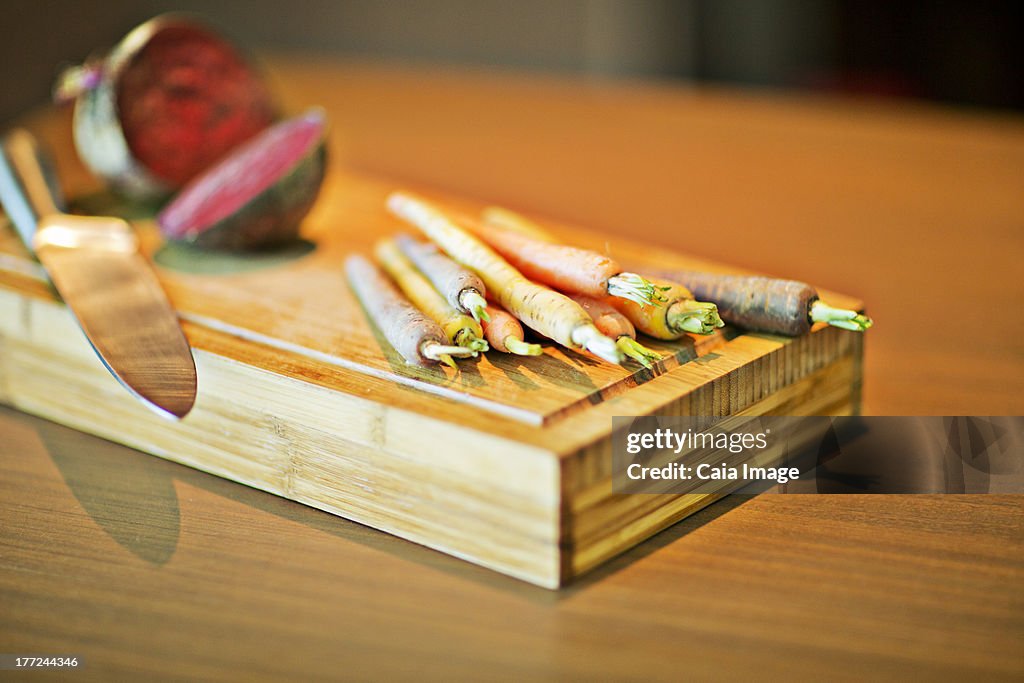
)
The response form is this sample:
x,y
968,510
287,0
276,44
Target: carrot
x,y
768,304
568,269
503,219
459,328
415,336
462,288
543,309
506,334
617,326
679,315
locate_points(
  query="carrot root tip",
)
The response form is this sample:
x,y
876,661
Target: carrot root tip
x,y
466,339
636,288
839,317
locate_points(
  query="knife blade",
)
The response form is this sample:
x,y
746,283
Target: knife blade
x,y
95,265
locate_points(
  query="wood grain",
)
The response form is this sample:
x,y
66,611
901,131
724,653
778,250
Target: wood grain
x,y
151,569
147,567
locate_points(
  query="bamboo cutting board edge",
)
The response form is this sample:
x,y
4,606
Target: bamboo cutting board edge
x,y
291,442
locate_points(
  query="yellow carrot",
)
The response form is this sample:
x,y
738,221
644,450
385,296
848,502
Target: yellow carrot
x,y
545,310
460,328
680,313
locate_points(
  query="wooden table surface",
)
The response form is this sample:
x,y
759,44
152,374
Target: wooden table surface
x,y
150,570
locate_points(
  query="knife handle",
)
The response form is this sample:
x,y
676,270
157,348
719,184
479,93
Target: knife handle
x,y
28,186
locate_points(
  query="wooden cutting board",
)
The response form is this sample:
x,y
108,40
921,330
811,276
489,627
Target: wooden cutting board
x,y
505,462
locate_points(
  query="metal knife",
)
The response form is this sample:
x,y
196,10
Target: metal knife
x,y
96,267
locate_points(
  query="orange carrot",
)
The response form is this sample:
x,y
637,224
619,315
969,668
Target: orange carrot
x,y
569,269
679,314
506,334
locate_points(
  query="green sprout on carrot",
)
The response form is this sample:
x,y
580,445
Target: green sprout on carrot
x,y
522,348
839,317
636,288
698,317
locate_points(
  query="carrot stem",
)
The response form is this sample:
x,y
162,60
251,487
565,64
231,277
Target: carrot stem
x,y
522,348
839,317
635,288
465,338
698,317
475,304
637,351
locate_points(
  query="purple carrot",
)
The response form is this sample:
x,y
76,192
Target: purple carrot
x,y
416,337
766,304
463,288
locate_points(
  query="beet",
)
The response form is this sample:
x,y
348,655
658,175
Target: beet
x,y
257,195
169,101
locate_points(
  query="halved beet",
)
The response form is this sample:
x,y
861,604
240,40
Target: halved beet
x,y
257,195
168,101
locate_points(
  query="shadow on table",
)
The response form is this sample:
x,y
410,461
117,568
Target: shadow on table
x,y
112,482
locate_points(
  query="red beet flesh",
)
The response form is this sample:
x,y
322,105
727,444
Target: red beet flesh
x,y
186,99
251,171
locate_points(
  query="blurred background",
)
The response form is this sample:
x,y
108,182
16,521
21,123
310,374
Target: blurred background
x,y
957,52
